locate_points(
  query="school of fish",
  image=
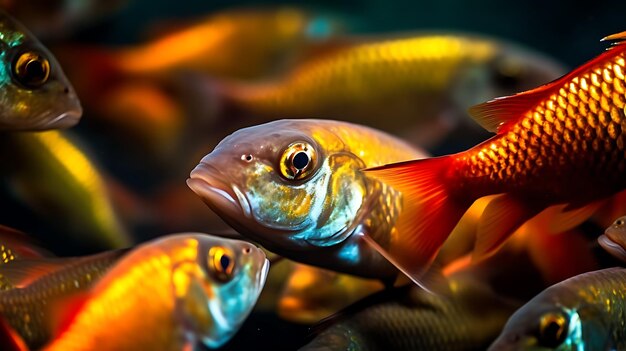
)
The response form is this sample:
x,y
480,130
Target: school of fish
x,y
306,145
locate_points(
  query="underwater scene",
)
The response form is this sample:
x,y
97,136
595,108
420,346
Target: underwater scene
x,y
324,176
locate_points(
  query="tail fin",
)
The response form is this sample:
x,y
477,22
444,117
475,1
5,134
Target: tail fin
x,y
429,215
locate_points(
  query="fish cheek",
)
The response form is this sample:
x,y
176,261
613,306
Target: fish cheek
x,y
281,203
191,307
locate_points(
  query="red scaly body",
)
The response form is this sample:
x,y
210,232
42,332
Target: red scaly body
x,y
561,144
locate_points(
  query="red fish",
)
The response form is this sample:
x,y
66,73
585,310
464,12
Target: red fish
x,y
562,145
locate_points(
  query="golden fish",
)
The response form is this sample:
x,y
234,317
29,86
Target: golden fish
x,y
396,84
40,284
200,289
53,175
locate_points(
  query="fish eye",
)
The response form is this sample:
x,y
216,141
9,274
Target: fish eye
x,y
620,222
247,157
31,69
221,263
298,161
552,330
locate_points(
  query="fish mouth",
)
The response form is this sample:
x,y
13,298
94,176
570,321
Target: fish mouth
x,y
264,273
612,247
64,120
206,181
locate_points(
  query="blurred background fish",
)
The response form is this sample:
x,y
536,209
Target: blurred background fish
x,y
422,83
35,93
50,173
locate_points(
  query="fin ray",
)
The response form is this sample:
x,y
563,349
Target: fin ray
x,y
499,114
428,217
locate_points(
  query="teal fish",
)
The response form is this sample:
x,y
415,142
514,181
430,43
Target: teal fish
x,y
35,93
582,313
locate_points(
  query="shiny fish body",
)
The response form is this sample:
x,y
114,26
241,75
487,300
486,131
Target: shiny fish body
x,y
168,294
242,180
53,175
34,92
29,309
411,80
467,320
583,313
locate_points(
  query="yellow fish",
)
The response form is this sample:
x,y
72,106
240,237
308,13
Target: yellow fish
x,y
200,289
53,175
396,84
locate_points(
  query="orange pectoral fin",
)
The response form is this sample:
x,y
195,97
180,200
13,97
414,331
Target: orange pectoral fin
x,y
428,216
499,221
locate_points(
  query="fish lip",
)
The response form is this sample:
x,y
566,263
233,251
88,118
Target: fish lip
x,y
64,120
612,247
264,273
207,182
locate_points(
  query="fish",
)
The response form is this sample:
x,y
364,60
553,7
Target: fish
x,y
34,91
52,173
239,43
423,82
40,283
614,239
201,289
409,318
581,313
559,147
295,187
311,294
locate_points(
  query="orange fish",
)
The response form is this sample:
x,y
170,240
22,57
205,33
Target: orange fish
x,y
562,145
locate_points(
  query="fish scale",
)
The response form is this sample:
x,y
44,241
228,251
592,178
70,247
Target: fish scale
x,y
28,309
559,149
567,123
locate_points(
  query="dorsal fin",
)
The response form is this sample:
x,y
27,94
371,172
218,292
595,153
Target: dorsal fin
x,y
495,115
21,244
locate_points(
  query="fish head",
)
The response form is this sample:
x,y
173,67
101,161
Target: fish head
x,y
287,184
614,239
511,69
34,91
217,291
545,324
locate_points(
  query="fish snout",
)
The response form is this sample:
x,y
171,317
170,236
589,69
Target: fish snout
x,y
215,190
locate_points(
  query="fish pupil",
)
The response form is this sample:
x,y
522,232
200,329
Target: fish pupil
x,y
35,70
224,262
300,160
